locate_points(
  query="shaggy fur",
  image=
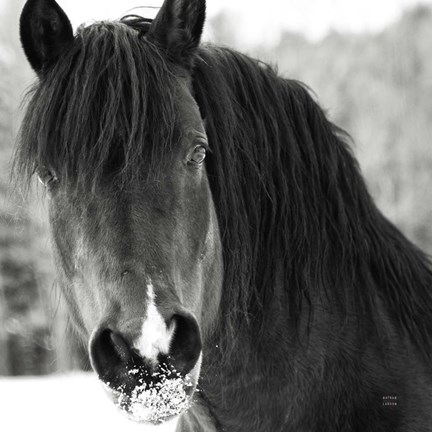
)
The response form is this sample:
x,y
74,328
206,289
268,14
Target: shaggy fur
x,y
303,243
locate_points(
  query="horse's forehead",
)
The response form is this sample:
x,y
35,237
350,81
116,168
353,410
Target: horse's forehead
x,y
187,107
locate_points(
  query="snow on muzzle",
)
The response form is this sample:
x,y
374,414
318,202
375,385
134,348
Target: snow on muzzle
x,y
150,380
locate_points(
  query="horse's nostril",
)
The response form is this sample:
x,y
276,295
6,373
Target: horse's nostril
x,y
121,347
116,361
185,346
106,350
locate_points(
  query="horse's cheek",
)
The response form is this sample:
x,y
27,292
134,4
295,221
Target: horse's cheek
x,y
204,260
71,257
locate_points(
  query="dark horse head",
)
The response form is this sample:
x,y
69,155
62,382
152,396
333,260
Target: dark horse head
x,y
120,149
209,221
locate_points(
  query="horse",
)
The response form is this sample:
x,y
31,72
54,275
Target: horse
x,y
213,237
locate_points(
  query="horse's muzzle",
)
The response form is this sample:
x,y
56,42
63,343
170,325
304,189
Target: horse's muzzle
x,y
149,390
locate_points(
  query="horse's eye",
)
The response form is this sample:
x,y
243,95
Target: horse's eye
x,y
45,176
198,155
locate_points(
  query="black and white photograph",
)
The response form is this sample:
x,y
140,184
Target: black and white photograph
x,y
216,215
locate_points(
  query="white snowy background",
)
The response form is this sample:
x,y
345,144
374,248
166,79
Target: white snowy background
x,y
67,403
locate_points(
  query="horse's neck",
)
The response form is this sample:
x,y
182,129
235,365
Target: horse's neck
x,y
280,385
243,390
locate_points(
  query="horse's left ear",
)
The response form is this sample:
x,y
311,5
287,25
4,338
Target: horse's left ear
x,y
45,30
178,27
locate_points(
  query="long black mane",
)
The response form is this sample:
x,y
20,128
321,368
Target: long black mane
x,y
294,208
296,220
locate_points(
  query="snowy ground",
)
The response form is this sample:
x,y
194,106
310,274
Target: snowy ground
x,y
66,403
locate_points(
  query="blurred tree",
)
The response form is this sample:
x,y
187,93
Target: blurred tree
x,y
222,29
34,338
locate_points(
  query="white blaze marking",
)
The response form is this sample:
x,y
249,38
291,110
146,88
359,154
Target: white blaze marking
x,y
155,336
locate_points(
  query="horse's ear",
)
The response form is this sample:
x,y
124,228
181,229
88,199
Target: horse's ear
x,y
45,30
178,27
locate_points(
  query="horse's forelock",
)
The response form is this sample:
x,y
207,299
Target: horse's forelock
x,y
106,105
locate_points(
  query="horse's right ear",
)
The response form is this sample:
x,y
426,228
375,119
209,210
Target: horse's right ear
x,y
45,30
